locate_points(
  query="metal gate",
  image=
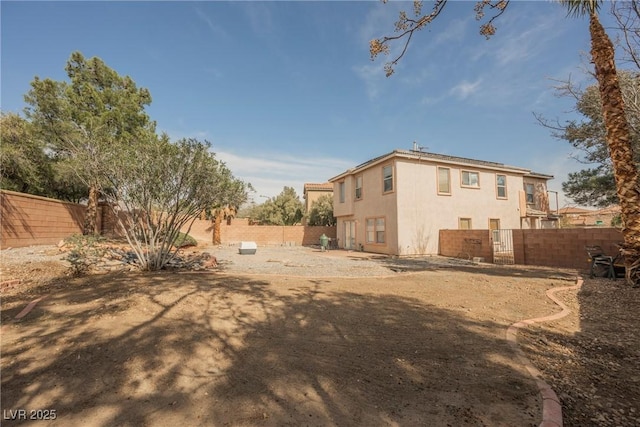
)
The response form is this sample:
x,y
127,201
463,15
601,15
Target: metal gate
x,y
502,245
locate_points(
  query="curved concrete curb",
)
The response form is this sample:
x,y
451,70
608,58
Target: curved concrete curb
x,y
551,407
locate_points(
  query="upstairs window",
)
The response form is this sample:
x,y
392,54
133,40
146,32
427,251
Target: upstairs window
x,y
470,179
444,181
529,191
341,191
501,186
387,179
359,187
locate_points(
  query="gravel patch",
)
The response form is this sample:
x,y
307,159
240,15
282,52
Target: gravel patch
x,y
40,253
275,260
311,262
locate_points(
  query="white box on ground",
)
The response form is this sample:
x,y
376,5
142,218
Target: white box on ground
x,y
247,248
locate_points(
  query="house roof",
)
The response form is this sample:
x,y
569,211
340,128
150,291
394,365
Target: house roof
x,y
570,210
611,210
589,217
439,158
539,175
310,186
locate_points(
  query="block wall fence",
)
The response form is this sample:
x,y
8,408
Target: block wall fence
x,y
239,230
28,220
32,220
563,247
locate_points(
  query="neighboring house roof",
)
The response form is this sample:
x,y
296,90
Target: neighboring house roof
x,y
611,210
571,211
439,158
327,186
588,217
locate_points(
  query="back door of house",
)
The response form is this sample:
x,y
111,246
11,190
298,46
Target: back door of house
x,y
349,234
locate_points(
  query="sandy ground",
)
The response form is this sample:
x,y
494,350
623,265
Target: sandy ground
x,y
416,346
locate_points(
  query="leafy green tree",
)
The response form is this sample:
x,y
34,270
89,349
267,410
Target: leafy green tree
x,y
618,134
284,209
24,167
321,212
86,119
591,187
66,185
159,188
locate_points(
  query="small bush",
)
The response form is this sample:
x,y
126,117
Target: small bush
x,y
184,240
84,252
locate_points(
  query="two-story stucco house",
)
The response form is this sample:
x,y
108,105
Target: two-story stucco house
x,y
397,203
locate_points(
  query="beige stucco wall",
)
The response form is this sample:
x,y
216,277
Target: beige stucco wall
x,y
311,196
346,207
422,212
373,204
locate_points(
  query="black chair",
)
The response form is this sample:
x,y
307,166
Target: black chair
x,y
601,264
333,243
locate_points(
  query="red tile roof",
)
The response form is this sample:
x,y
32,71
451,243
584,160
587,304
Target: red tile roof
x,y
327,186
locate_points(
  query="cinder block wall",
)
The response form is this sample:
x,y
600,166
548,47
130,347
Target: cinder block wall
x,y
201,230
239,230
549,247
566,247
33,220
466,244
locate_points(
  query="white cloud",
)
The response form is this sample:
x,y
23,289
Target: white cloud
x,y
372,75
379,19
377,22
465,89
215,29
520,41
270,173
455,32
512,60
260,17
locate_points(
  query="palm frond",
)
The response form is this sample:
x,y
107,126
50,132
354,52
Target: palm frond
x,y
579,8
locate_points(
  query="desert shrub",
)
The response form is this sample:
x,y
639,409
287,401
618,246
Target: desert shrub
x,y
84,252
184,240
160,188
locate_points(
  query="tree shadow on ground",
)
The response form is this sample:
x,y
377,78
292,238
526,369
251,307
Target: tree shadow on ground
x,y
199,349
400,265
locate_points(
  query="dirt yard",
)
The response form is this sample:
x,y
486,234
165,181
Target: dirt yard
x,y
420,345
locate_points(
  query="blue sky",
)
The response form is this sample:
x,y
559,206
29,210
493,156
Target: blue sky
x,y
286,91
